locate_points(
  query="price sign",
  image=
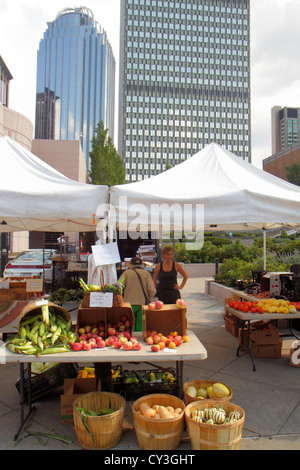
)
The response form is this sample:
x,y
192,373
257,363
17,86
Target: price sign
x,y
101,299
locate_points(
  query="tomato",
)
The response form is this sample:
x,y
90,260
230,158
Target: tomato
x,y
236,306
260,310
231,304
298,306
253,309
245,308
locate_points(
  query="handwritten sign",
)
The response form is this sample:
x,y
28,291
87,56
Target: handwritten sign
x,y
4,285
101,299
106,254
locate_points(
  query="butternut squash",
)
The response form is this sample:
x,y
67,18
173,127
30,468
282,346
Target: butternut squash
x,y
147,411
164,413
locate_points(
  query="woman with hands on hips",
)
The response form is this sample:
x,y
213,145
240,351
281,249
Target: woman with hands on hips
x,y
165,277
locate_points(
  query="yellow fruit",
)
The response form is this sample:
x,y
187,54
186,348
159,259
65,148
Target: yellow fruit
x,y
191,391
220,390
211,393
202,393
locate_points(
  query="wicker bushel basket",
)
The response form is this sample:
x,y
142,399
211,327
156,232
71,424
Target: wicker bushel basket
x,y
99,432
31,309
118,299
203,384
205,436
158,434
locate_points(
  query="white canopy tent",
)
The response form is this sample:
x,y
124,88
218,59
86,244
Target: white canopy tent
x,y
235,195
35,196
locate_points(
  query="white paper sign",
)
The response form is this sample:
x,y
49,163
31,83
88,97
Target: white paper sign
x,y
39,303
4,285
106,254
101,299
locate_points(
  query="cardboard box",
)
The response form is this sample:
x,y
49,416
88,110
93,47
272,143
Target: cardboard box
x,y
267,350
165,320
265,334
231,324
74,388
260,334
110,316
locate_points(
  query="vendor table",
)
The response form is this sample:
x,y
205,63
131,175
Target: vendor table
x,y
193,350
245,319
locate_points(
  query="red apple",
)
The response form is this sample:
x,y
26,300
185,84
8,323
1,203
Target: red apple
x,y
127,345
180,303
100,343
81,331
86,346
137,346
88,328
159,304
127,324
124,318
109,341
111,331
117,344
82,337
149,340
126,334
155,348
133,339
76,346
151,306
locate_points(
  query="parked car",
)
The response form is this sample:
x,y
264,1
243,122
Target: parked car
x,y
29,263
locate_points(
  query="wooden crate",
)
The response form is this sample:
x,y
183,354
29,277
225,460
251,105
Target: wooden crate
x,y
168,319
110,316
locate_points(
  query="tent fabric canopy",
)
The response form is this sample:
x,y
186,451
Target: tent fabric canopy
x,y
35,196
235,195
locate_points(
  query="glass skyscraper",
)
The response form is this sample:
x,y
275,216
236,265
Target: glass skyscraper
x,y
75,79
184,81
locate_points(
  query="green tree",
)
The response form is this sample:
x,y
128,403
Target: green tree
x,y
293,173
106,164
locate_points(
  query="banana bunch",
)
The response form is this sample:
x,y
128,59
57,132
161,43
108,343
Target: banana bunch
x,y
86,373
42,333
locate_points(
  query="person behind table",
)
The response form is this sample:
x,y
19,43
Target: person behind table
x,y
133,291
165,277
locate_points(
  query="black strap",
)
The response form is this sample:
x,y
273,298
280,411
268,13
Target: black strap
x,y
147,300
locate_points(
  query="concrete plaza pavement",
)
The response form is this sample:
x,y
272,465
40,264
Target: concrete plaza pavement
x,y
270,395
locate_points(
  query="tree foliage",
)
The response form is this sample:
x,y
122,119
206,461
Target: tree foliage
x,y
106,164
293,173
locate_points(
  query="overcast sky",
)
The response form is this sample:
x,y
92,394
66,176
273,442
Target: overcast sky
x,y
275,63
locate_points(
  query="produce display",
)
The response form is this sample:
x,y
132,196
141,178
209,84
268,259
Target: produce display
x,y
158,305
158,341
116,287
141,378
217,390
87,412
215,415
270,305
46,332
159,412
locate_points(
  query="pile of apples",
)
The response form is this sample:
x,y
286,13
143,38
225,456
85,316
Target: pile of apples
x,y
94,336
159,304
158,341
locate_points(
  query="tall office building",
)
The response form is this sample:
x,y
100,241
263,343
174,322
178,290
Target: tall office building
x,y
285,127
184,81
75,79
